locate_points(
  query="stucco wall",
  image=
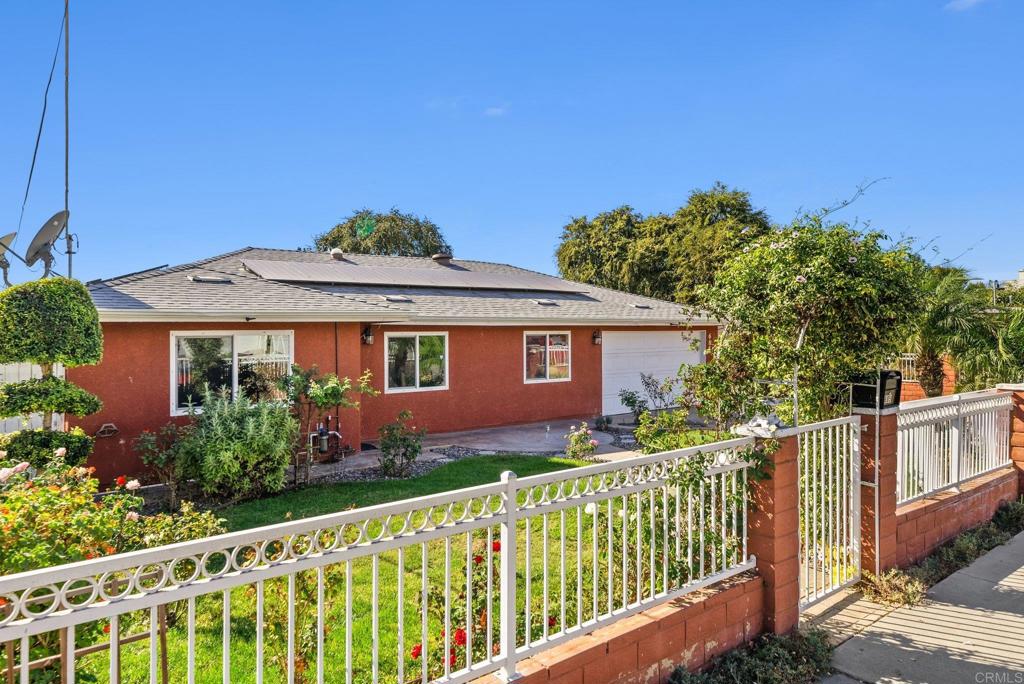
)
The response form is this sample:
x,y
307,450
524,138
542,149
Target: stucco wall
x,y
485,380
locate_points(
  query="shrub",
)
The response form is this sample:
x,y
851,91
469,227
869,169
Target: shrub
x,y
239,448
1010,517
799,658
165,452
894,587
55,519
400,446
634,402
38,446
46,394
581,443
670,430
49,321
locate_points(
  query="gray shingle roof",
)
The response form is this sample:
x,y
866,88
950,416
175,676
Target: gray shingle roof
x,y
179,293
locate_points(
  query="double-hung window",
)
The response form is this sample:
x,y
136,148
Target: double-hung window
x,y
245,364
548,357
416,361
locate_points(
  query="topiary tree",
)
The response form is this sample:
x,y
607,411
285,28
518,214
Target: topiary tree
x,y
47,322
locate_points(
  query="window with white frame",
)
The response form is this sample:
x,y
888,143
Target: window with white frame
x,y
245,364
548,356
416,361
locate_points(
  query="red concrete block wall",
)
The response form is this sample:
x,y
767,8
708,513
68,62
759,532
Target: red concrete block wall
x,y
878,541
1017,431
925,524
773,537
911,391
645,648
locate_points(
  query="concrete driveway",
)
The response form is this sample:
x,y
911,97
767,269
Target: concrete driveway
x,y
548,436
969,630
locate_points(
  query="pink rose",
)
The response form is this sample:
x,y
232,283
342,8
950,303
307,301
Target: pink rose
x,y
132,485
61,452
5,474
21,467
132,516
593,442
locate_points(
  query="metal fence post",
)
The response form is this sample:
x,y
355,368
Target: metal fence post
x,y
507,589
957,439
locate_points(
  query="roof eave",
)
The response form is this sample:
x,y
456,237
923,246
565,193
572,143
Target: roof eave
x,y
180,315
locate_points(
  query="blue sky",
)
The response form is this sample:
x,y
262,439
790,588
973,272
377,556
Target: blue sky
x,y
200,127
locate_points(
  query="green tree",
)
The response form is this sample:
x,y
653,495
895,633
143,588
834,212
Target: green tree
x,y
48,322
667,256
391,234
956,321
813,302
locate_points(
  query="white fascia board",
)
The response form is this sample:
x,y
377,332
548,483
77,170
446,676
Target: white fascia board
x,y
164,315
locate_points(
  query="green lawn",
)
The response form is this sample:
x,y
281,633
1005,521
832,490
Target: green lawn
x,y
323,499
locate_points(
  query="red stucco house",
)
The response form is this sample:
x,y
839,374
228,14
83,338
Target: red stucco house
x,y
462,344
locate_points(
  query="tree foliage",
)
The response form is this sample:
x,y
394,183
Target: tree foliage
x,y
49,321
46,394
816,302
37,447
667,256
392,234
956,320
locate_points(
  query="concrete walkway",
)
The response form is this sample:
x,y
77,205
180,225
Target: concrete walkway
x,y
970,629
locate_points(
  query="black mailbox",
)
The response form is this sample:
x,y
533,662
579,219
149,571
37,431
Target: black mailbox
x,y
878,390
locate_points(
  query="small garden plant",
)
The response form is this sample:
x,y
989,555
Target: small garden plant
x,y
908,587
48,322
580,442
400,445
799,658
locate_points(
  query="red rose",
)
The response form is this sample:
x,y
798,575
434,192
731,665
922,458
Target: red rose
x,y
451,658
106,629
417,651
496,546
460,637
551,621
478,559
121,481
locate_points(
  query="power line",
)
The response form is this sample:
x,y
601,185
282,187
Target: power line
x,y
42,119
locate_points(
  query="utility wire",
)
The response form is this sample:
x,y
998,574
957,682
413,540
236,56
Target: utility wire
x,y
39,133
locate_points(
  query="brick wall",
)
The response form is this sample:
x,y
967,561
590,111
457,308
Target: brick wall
x,y
646,647
912,391
925,524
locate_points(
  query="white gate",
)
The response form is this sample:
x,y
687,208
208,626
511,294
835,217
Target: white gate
x,y
828,463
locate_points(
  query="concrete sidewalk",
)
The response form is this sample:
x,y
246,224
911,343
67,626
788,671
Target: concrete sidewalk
x,y
969,630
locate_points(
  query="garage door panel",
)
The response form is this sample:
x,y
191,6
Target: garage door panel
x,y
627,355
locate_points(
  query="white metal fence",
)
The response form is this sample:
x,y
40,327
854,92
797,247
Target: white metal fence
x,y
906,364
445,587
828,463
946,440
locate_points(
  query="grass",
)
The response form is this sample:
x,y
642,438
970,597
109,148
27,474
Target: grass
x,y
319,500
799,658
908,587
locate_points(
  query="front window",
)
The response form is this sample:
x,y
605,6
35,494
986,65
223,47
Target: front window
x,y
547,357
416,361
241,364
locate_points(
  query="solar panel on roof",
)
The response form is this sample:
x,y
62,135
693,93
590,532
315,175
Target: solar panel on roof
x,y
350,274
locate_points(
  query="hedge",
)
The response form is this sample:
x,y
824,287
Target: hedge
x,y
37,446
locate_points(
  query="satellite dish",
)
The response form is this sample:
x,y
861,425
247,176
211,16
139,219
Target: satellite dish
x,y
42,243
5,265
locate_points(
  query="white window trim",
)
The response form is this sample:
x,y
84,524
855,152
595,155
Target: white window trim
x,y
175,411
547,344
404,390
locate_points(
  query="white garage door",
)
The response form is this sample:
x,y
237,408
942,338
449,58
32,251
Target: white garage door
x,y
625,355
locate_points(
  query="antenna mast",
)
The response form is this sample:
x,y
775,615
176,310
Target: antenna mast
x,y
67,148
